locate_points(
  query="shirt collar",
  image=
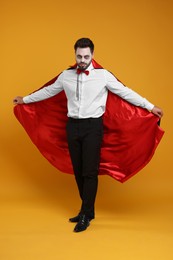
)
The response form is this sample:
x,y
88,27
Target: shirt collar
x,y
90,67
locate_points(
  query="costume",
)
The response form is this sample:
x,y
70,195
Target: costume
x,y
131,134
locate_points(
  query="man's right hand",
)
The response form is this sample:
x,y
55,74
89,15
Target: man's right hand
x,y
18,100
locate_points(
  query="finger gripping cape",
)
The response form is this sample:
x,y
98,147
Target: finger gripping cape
x,y
131,134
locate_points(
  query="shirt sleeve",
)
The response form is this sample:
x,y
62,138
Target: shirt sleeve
x,y
126,93
45,92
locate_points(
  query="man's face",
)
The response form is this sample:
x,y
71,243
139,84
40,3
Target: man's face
x,y
83,57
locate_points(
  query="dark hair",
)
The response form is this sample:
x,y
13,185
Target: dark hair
x,y
84,43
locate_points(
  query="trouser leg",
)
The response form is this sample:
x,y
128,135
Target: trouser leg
x,y
84,140
75,150
90,167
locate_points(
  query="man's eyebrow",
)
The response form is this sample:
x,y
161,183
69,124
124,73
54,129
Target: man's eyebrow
x,y
78,55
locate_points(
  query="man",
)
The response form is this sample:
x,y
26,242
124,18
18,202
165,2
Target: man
x,y
86,89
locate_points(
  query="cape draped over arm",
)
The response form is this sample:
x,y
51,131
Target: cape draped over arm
x,y
131,133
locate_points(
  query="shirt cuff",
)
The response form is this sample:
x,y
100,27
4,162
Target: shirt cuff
x,y
148,105
26,100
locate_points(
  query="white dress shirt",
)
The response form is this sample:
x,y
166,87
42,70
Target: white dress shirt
x,y
93,91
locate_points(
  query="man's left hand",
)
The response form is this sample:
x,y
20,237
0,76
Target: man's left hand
x,y
157,111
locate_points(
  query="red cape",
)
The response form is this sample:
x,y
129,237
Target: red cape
x,y
131,134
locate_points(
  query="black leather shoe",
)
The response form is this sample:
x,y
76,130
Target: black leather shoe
x,y
83,223
75,219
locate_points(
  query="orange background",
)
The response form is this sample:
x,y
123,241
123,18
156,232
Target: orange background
x,y
133,39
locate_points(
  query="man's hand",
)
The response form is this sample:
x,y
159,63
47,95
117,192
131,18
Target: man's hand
x,y
18,100
157,111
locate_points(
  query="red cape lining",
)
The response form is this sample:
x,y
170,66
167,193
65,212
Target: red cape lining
x,y
131,134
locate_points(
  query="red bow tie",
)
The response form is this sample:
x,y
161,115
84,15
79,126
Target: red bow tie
x,y
79,71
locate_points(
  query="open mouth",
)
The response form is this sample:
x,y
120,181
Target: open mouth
x,y
82,64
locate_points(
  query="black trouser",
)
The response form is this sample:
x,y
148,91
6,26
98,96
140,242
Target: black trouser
x,y
84,141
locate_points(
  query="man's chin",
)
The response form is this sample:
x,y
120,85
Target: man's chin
x,y
83,67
